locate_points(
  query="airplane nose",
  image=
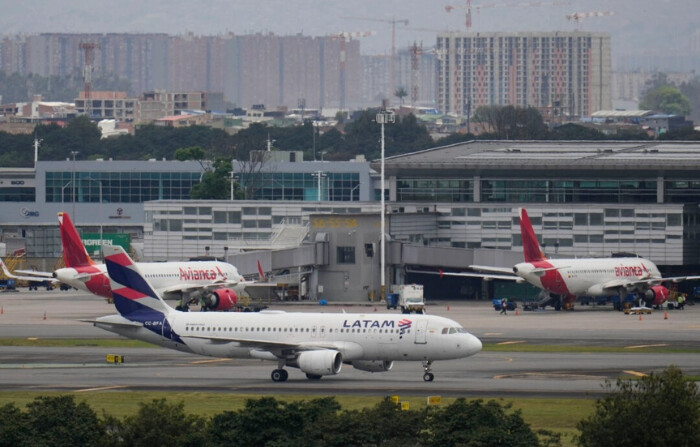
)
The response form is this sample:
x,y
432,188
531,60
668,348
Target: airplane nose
x,y
473,344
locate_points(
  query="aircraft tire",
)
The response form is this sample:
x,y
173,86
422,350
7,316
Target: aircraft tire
x,y
428,377
279,375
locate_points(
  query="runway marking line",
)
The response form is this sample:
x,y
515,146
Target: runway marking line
x,y
634,373
490,334
515,342
646,346
199,362
102,388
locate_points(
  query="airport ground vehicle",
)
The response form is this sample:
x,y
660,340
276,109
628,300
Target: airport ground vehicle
x,y
410,298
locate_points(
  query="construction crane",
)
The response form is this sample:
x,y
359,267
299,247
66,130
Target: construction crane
x,y
416,52
577,17
393,22
468,7
89,49
344,37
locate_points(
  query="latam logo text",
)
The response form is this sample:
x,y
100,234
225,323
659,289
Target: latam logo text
x,y
371,324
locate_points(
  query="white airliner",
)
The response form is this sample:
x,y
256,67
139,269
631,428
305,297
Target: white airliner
x,y
316,343
568,279
217,283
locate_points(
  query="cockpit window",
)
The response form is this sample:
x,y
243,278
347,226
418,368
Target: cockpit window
x,y
454,330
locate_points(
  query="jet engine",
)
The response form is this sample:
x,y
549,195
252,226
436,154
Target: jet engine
x,y
321,362
372,365
655,295
219,299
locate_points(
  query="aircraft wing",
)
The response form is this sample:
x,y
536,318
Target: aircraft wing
x,y
281,348
484,276
193,287
27,275
646,282
490,269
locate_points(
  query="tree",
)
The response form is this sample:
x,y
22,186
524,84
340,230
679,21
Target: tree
x,y
267,421
160,423
571,131
13,426
512,123
666,99
400,93
59,421
475,423
657,410
215,184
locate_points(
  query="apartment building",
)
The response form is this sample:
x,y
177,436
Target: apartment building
x,y
569,71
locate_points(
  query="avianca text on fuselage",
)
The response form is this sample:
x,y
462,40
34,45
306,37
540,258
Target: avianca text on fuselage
x,y
190,274
631,271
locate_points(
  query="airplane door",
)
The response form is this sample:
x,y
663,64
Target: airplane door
x,y
421,330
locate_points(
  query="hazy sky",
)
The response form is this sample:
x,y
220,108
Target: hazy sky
x,y
638,25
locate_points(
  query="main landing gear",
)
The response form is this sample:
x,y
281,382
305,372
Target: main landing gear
x,y
427,376
279,375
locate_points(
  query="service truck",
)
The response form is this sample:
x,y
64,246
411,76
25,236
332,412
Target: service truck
x,y
410,298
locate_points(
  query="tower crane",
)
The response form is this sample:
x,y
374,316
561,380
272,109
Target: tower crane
x,y
394,22
468,7
343,37
89,49
577,17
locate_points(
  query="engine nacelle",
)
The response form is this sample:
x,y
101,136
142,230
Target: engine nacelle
x,y
219,299
320,362
372,365
656,295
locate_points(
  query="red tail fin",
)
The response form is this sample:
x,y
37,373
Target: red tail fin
x,y
74,253
531,248
260,271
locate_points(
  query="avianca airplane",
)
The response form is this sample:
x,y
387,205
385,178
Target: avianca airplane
x,y
214,281
316,343
566,279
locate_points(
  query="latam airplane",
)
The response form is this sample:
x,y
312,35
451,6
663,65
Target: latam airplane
x,y
567,279
316,343
214,281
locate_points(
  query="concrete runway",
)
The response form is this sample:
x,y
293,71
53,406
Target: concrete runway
x,y
486,374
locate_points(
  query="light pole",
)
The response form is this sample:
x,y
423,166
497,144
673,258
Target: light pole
x,y
63,189
383,117
319,175
73,153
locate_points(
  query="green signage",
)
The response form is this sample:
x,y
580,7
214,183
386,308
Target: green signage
x,y
93,242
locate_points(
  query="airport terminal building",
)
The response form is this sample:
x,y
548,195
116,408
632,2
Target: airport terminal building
x,y
447,207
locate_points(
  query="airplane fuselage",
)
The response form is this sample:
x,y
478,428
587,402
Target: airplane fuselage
x,y
586,276
375,337
162,275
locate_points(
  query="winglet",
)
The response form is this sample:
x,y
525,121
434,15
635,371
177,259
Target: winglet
x,y
531,248
74,253
6,271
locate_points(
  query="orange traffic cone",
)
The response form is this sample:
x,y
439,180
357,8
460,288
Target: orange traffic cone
x,y
448,307
516,312
2,310
640,317
375,308
665,315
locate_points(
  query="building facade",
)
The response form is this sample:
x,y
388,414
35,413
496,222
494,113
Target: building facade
x,y
565,70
